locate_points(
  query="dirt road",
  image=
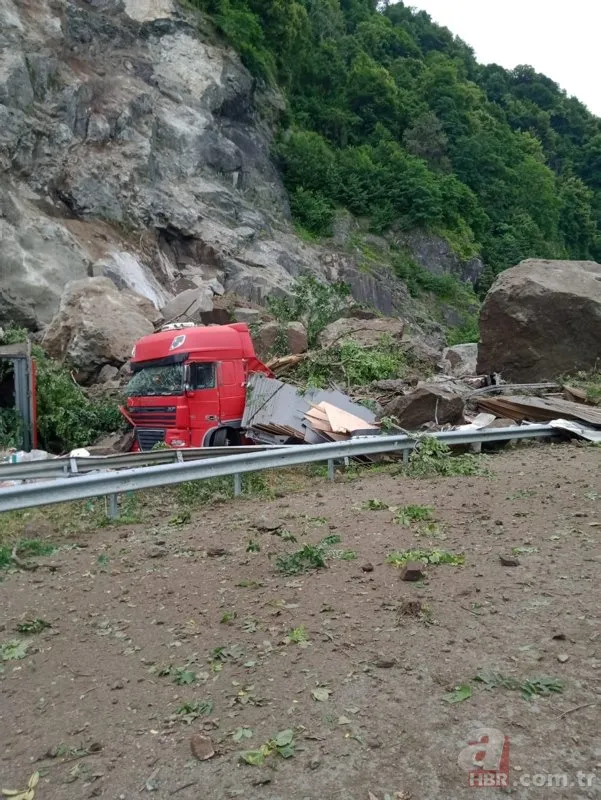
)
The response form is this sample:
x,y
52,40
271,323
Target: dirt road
x,y
155,638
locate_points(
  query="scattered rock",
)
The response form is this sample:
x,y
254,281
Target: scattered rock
x,y
562,658
266,525
117,685
427,403
410,608
202,747
413,571
366,332
509,561
108,373
384,663
369,567
541,319
315,762
218,551
559,637
156,551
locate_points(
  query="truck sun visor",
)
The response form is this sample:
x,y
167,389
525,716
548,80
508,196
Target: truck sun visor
x,y
159,362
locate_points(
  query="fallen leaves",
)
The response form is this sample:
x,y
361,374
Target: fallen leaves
x,y
463,692
13,649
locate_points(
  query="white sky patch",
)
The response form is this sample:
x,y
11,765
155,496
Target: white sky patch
x,y
557,38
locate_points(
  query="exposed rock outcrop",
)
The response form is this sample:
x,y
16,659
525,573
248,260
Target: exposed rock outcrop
x,y
435,254
135,148
542,319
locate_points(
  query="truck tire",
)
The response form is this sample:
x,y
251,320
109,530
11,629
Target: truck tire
x,y
225,437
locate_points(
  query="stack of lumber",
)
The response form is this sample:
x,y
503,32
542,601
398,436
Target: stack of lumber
x,y
334,424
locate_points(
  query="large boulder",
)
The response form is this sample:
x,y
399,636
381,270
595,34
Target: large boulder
x,y
272,336
540,320
189,306
460,360
366,332
97,324
433,402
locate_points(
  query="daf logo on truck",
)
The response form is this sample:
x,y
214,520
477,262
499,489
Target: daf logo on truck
x,y
189,390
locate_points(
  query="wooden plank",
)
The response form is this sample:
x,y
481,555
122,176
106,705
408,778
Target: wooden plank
x,y
343,422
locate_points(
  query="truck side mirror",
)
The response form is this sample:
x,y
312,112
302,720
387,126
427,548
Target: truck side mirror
x,y
187,378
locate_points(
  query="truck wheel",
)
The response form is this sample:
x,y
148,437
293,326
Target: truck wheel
x,y
225,437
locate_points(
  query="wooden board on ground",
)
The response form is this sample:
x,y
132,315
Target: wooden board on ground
x,y
539,409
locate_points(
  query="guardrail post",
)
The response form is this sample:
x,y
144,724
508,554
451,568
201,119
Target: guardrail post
x,y
113,506
405,456
331,472
237,484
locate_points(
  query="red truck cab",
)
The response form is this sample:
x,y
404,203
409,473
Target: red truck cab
x,y
188,387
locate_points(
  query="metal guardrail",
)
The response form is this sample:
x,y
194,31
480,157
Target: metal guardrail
x,y
65,466
112,483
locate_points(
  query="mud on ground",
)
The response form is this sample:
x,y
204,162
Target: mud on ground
x,y
364,694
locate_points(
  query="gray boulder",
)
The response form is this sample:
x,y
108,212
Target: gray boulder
x,y
188,306
540,320
366,332
460,360
96,325
428,403
291,336
249,315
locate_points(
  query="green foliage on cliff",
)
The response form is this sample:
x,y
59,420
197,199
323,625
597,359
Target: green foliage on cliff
x,y
67,417
390,116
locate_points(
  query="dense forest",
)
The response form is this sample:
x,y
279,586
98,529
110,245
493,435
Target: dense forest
x,y
390,116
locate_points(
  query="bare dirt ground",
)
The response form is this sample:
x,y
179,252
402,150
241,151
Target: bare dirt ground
x,y
89,709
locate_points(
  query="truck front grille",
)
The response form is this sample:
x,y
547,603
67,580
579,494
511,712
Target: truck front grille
x,y
153,415
147,437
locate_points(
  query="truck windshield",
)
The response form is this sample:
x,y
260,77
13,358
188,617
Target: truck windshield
x,y
167,380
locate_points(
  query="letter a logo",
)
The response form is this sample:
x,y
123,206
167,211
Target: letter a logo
x,y
486,758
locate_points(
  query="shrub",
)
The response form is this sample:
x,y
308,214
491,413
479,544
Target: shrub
x,y
66,416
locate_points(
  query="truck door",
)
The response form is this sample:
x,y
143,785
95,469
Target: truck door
x,y
232,391
203,400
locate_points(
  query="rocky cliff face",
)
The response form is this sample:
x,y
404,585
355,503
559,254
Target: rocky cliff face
x,y
133,147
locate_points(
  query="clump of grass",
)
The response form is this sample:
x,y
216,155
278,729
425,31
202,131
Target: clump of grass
x,y
197,708
408,514
529,688
219,489
24,548
432,557
179,675
297,635
312,556
432,457
33,626
374,505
